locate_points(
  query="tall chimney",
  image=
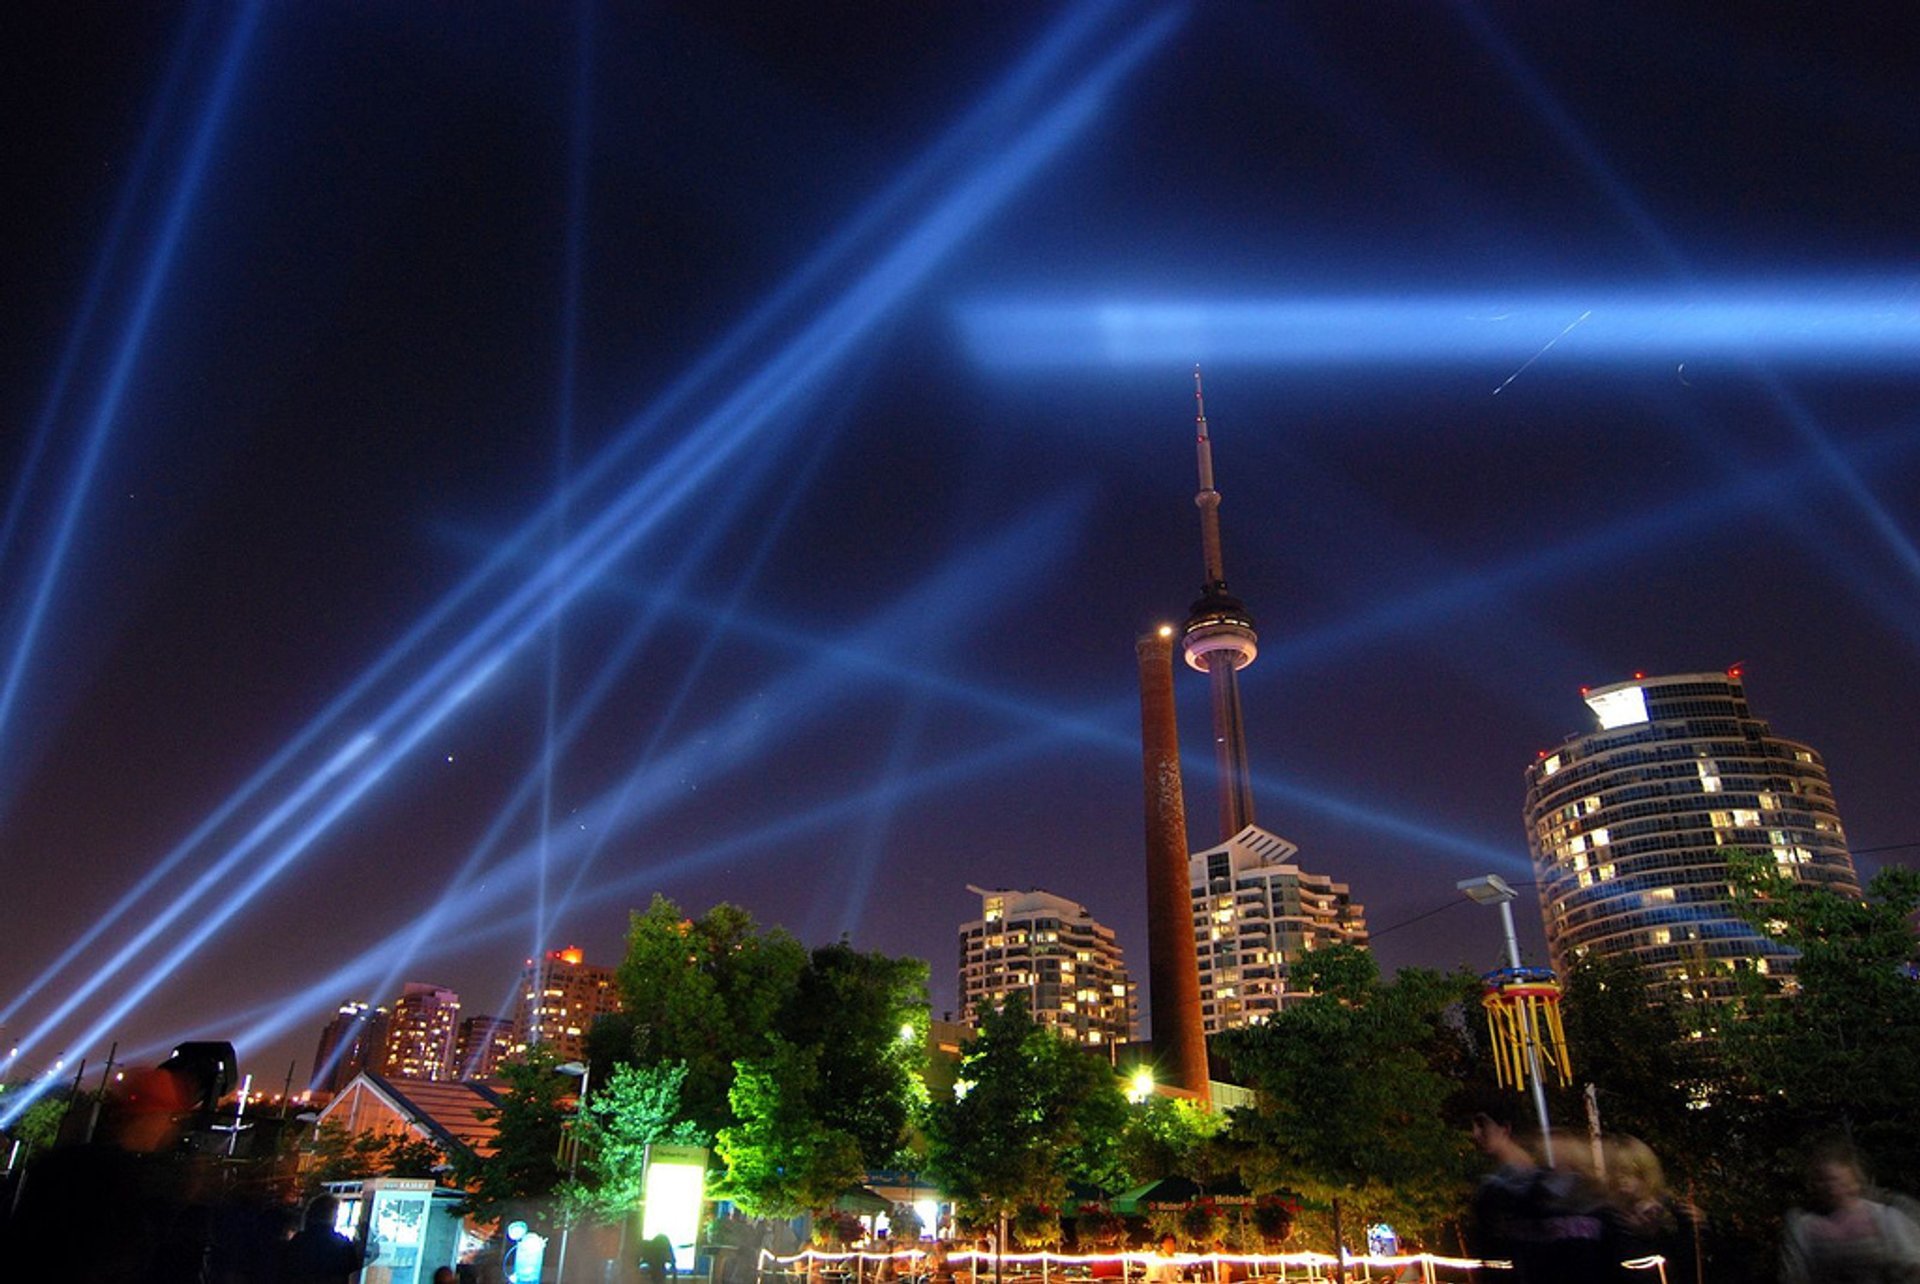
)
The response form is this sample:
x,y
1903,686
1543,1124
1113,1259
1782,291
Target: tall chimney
x,y
1173,961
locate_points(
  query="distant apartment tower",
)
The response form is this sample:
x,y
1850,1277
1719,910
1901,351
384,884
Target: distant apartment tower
x,y
483,1042
355,1040
560,999
420,1033
1051,950
1629,827
1254,913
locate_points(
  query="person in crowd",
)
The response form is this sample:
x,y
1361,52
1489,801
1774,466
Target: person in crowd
x,y
1166,1267
1546,1222
1643,1218
1842,1236
317,1253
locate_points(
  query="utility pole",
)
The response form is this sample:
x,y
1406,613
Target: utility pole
x,y
93,1115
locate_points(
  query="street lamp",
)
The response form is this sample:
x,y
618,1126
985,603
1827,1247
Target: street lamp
x,y
1491,889
1140,1085
584,1072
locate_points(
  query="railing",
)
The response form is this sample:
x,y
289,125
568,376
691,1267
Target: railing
x,y
859,1266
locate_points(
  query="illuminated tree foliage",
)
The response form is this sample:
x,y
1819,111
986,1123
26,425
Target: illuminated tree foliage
x,y
1170,1137
637,1107
706,992
1031,1113
783,1158
834,1094
864,1018
1355,1084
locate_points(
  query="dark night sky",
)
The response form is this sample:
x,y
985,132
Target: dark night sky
x,y
884,649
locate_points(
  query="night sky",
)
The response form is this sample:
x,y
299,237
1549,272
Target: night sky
x,y
674,328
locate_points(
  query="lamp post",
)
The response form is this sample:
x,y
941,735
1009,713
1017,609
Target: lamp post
x,y
584,1073
1491,889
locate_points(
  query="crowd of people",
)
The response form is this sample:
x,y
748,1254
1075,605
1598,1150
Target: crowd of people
x,y
1603,1214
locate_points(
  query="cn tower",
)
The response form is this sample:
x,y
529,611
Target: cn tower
x,y
1219,641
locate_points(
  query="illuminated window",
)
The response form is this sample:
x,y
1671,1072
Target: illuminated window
x,y
1551,765
1601,837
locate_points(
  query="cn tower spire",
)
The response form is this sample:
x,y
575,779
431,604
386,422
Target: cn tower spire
x,y
1219,641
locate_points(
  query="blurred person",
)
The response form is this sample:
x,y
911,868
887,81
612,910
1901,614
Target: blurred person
x,y
1643,1218
1166,1269
1843,1237
319,1254
1546,1222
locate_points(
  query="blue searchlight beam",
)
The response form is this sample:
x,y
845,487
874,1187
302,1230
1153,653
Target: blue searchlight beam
x,y
1859,324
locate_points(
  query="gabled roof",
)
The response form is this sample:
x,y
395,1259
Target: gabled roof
x,y
443,1112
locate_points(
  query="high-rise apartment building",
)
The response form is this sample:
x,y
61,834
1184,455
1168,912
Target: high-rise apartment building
x,y
1051,950
1254,913
560,999
355,1040
1630,825
420,1031
483,1042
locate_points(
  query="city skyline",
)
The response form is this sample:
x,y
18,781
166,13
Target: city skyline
x,y
833,613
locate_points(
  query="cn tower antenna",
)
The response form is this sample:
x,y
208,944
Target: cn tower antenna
x,y
1208,499
1219,641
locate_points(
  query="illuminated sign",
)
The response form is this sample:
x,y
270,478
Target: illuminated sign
x,y
672,1190
1619,706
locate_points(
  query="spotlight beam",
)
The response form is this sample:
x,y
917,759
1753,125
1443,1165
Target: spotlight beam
x,y
1867,324
127,351
81,329
799,368
980,132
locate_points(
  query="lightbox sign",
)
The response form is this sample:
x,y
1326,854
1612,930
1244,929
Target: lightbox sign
x,y
672,1190
1619,706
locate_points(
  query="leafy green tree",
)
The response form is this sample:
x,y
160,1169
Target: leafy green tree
x,y
338,1155
706,992
783,1158
1651,1077
1838,1043
39,1124
530,1122
864,1015
1355,1088
1030,1113
1170,1137
639,1106
834,1093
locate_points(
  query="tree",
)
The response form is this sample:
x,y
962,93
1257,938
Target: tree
x,y
637,1107
864,1015
1650,1077
529,1123
338,1155
38,1126
705,992
1169,1137
1029,1114
834,1093
783,1158
1355,1090
1837,1042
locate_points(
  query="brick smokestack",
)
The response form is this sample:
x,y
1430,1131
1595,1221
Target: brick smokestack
x,y
1173,962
